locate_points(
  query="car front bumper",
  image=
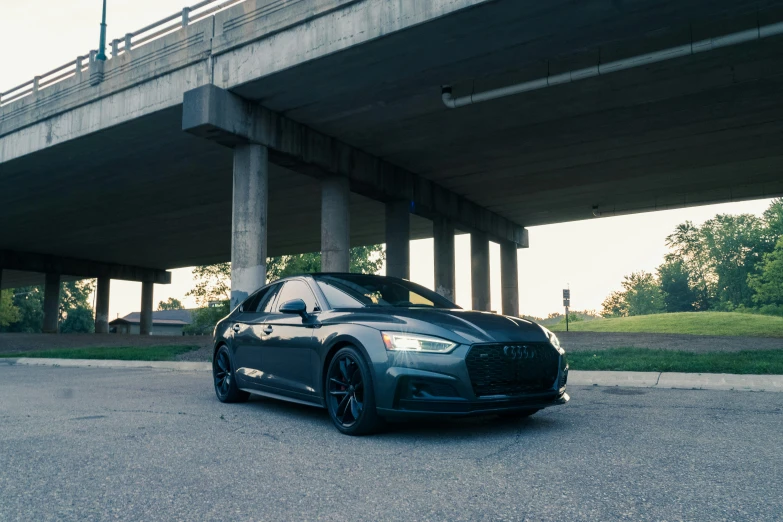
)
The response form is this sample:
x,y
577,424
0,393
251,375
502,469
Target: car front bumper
x,y
439,384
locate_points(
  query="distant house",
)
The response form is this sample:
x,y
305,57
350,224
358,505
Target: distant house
x,y
164,322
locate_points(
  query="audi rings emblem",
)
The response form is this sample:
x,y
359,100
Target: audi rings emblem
x,y
518,352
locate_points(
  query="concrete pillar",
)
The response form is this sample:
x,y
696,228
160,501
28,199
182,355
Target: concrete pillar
x,y
509,279
335,225
248,224
102,305
398,239
443,232
51,303
479,271
145,321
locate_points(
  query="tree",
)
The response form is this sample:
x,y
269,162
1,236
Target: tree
x,y
768,282
203,320
170,304
687,246
615,305
678,296
773,221
76,313
28,301
364,260
78,320
74,301
213,283
735,245
641,295
9,313
284,266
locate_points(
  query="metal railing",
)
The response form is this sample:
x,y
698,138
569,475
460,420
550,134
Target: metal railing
x,y
119,46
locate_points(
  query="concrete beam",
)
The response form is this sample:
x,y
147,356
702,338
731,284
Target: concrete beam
x,y
51,307
445,269
249,221
479,272
335,225
509,279
398,239
46,264
221,116
145,319
102,305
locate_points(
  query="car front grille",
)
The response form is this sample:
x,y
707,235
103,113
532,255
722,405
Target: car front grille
x,y
512,368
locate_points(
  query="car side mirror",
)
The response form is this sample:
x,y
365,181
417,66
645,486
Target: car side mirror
x,y
294,306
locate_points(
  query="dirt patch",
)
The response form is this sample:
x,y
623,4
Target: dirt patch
x,y
590,341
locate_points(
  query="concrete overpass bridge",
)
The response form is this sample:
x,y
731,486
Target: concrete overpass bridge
x,y
242,129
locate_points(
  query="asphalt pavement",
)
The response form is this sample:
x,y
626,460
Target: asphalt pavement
x,y
146,444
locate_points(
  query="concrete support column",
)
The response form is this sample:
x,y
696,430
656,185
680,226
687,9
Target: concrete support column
x,y
249,221
509,279
398,239
51,303
443,232
145,321
102,305
479,271
335,225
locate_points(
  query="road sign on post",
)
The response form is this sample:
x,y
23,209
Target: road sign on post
x,y
566,303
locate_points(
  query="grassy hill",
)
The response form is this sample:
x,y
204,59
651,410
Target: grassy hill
x,y
694,323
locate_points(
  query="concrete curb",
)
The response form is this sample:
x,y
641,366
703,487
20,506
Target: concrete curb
x,y
184,366
679,381
632,379
684,381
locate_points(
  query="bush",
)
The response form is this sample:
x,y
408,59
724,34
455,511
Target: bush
x,y
78,320
205,319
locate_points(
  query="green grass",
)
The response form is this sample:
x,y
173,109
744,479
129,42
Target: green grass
x,y
644,360
123,353
693,323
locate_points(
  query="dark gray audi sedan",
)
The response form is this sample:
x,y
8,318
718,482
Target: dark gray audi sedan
x,y
370,348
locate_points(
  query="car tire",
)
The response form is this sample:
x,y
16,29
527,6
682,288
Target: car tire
x,y
518,414
350,394
224,378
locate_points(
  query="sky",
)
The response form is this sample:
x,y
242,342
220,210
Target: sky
x,y
591,257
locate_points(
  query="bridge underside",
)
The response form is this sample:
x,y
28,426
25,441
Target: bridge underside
x,y
689,131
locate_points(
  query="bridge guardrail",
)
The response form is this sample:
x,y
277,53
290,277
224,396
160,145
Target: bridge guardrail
x,y
118,46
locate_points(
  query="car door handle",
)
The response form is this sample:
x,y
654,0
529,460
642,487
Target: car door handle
x,y
268,329
236,328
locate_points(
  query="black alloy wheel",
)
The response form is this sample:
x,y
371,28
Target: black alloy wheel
x,y
349,394
225,384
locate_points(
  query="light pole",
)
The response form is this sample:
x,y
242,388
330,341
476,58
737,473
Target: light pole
x,y
102,45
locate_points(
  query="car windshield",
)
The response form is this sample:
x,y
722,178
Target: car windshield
x,y
371,290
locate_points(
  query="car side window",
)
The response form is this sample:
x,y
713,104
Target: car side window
x,y
266,304
297,289
251,305
337,298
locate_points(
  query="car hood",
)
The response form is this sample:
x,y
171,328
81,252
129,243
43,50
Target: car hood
x,y
464,326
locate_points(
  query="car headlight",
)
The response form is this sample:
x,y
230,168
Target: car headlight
x,y
398,341
553,340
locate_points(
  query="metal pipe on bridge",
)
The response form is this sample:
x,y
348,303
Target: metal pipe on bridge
x,y
600,69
